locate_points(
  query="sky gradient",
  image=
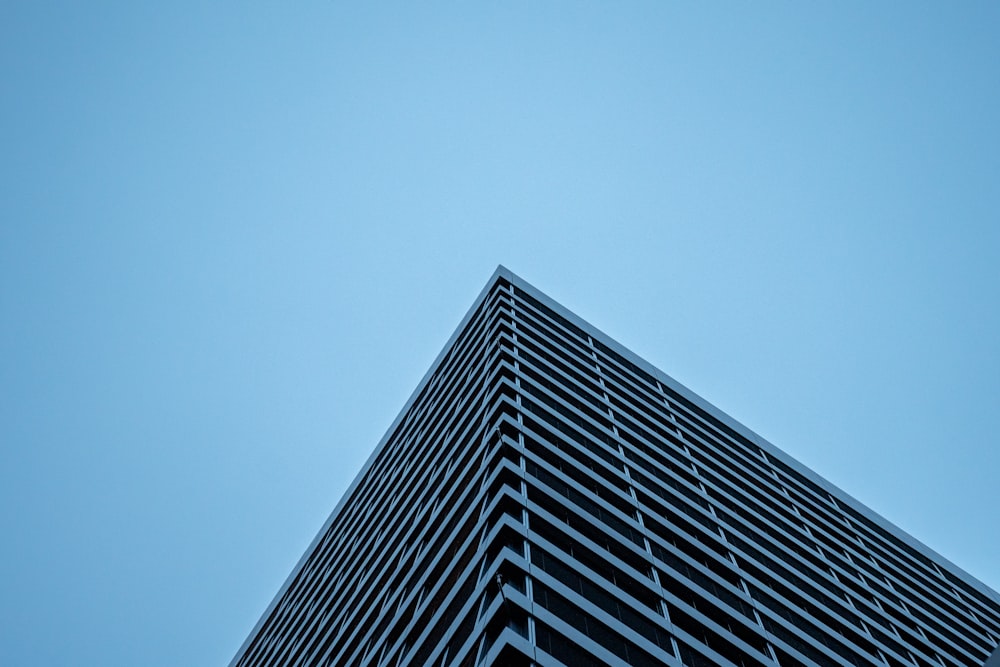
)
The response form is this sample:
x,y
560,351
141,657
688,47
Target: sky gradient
x,y
233,239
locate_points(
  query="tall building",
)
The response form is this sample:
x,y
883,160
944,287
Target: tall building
x,y
548,498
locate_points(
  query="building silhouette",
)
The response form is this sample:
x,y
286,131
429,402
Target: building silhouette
x,y
548,498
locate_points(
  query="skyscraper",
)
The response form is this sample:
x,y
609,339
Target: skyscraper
x,y
548,498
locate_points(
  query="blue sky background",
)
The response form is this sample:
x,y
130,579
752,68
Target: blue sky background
x,y
234,237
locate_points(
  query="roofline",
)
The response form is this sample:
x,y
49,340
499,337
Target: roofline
x,y
518,282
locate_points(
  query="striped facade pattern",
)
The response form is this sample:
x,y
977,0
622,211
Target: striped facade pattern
x,y
548,498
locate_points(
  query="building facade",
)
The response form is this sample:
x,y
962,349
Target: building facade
x,y
548,498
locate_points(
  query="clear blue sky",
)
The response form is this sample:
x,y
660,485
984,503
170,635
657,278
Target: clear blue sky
x,y
233,238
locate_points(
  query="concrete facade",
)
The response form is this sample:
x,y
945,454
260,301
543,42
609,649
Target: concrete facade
x,y
548,498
